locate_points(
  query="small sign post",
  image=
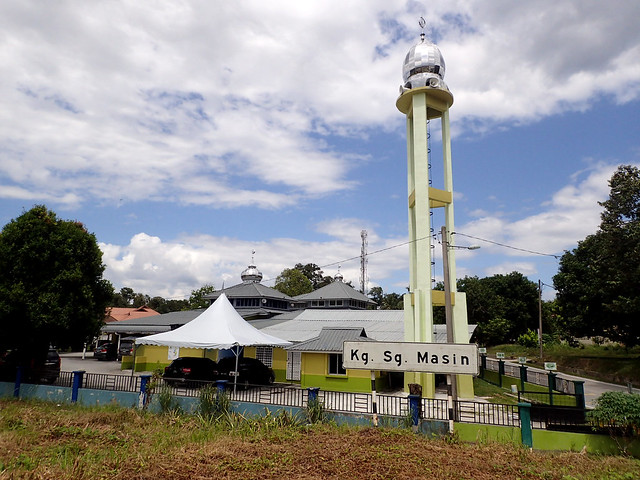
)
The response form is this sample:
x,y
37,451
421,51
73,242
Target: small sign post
x,y
550,366
500,355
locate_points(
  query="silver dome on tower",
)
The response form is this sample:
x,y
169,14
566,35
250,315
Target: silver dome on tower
x,y
423,66
251,274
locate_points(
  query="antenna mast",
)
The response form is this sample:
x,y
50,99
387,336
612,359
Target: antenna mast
x,y
364,279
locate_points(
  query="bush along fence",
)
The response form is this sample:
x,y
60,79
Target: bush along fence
x,y
524,423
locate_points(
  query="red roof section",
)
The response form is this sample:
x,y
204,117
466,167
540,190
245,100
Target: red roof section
x,y
115,314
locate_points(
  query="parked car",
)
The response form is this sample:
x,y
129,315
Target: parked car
x,y
186,370
106,351
251,371
34,369
126,347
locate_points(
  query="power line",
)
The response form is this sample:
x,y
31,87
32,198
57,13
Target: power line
x,y
508,246
359,257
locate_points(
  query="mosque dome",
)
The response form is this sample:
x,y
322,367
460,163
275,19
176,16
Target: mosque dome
x,y
424,67
251,275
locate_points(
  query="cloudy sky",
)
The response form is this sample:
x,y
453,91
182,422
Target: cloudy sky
x,y
187,134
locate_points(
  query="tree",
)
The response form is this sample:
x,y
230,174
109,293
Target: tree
x,y
124,298
386,301
376,294
293,282
314,274
196,299
392,301
51,285
140,300
598,282
502,306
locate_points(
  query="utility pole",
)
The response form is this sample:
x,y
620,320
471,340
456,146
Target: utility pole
x,y
540,318
448,308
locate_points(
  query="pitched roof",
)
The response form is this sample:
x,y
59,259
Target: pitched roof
x,y
331,340
153,324
118,314
335,290
381,325
250,290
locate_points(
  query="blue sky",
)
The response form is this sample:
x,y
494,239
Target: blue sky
x,y
185,135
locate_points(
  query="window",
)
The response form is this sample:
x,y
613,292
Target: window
x,y
265,355
335,364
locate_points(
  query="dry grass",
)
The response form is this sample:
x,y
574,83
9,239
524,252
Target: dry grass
x,y
40,440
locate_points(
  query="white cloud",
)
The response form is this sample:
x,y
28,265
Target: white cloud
x,y
172,268
244,97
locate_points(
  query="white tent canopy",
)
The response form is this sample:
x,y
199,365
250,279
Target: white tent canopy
x,y
219,326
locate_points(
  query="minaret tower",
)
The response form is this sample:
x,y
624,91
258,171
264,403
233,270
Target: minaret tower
x,y
425,96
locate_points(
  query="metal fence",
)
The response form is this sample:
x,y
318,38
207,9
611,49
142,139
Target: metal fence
x,y
362,403
487,413
120,383
544,398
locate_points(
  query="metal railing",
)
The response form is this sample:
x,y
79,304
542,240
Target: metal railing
x,y
103,381
487,413
361,403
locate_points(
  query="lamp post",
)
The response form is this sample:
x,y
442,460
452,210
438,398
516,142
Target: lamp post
x,y
448,308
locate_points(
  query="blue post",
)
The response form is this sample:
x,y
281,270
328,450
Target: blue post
x,y
16,386
414,410
142,398
313,394
222,386
523,376
77,384
500,372
524,410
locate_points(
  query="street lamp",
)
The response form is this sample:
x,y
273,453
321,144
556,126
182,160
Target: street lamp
x,y
448,310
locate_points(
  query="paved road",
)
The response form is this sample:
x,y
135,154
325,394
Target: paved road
x,y
74,361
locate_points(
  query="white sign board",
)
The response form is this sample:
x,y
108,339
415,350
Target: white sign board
x,y
550,366
173,353
448,358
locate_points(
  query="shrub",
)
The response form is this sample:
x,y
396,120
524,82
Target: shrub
x,y
166,400
214,403
619,413
315,411
529,339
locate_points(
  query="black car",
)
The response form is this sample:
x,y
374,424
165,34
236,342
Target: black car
x,y
34,369
106,351
187,370
126,347
251,371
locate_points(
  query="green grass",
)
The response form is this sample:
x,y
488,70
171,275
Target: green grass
x,y
493,393
45,440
